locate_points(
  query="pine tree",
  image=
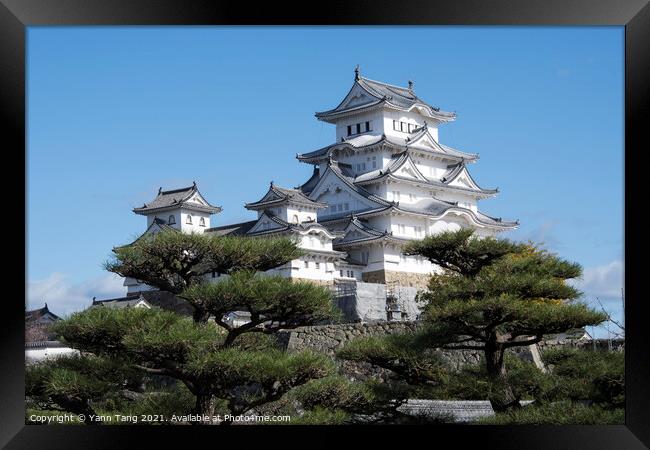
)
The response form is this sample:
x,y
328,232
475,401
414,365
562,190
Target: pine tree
x,y
215,360
490,295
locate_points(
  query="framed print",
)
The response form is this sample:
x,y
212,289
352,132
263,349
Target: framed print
x,y
368,219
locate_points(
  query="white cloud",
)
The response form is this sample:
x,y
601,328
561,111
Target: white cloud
x,y
542,234
64,297
603,281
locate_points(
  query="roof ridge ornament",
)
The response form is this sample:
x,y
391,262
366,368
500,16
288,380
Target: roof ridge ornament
x,y
160,190
357,71
410,85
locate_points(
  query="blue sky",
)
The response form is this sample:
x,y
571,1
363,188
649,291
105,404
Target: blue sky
x,y
116,112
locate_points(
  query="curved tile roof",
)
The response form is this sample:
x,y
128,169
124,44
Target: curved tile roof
x,y
385,94
410,143
277,195
401,159
176,198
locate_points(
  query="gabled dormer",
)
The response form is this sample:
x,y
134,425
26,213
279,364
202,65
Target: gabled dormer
x,y
183,209
290,205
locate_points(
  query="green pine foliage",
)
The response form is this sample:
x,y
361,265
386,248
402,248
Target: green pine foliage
x,y
173,261
225,367
557,413
73,383
491,295
409,355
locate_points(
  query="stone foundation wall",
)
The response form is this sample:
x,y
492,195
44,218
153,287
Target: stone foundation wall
x,y
329,338
316,282
417,280
377,276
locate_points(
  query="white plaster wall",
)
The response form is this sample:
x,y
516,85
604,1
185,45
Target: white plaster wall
x,y
180,216
302,214
408,117
409,226
432,169
395,261
362,161
195,227
376,119
325,271
315,241
446,224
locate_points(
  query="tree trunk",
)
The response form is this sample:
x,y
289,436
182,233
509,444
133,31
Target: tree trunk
x,y
502,397
200,315
204,406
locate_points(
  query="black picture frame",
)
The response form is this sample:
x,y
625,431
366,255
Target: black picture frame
x,y
634,15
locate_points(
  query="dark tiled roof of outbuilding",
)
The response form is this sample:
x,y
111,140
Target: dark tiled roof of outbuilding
x,y
35,314
161,299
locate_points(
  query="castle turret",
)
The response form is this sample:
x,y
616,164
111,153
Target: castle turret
x,y
184,209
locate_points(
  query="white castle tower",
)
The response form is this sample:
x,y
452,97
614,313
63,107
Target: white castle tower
x,y
387,180
384,181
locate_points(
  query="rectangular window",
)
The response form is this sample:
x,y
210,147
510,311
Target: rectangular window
x,y
402,127
349,130
358,128
402,229
346,206
358,167
341,273
339,207
363,166
367,126
317,266
411,198
395,126
214,274
306,264
396,196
